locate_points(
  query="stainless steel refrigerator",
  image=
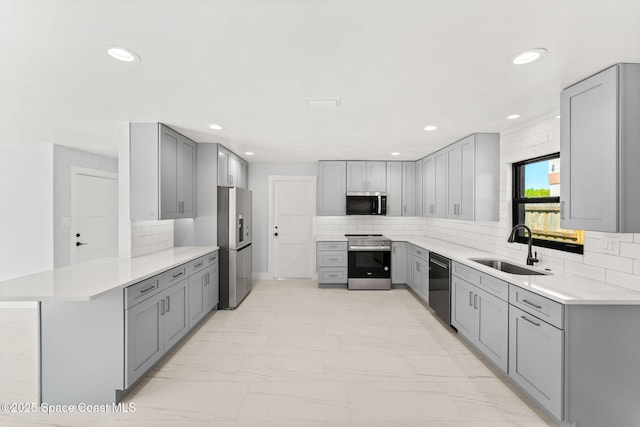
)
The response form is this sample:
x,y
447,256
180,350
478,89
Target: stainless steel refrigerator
x,y
234,239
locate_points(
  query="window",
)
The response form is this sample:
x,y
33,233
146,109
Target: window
x,y
536,203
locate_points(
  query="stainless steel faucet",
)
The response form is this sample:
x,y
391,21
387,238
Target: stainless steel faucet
x,y
530,258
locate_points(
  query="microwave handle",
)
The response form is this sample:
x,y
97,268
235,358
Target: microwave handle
x,y
379,205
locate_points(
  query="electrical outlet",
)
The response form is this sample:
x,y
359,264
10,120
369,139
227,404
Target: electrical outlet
x,y
610,245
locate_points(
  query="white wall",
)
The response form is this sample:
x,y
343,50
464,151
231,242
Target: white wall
x,y
531,139
259,185
26,217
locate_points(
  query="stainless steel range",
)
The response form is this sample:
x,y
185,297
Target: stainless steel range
x,y
369,261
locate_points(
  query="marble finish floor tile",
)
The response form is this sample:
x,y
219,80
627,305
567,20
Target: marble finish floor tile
x,y
295,355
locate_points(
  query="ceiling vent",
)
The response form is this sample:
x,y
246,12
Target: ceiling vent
x,y
322,103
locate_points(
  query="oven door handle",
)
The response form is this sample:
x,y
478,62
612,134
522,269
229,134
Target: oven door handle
x,y
370,248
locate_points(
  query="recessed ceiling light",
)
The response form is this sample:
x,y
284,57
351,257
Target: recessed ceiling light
x,y
430,128
216,126
249,153
395,153
123,54
528,56
513,116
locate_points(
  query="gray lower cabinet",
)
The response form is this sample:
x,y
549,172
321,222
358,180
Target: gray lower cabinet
x,y
332,188
535,358
536,343
420,272
478,314
203,293
332,262
599,131
400,261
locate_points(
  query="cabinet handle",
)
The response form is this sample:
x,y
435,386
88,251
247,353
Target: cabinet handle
x,y
162,307
539,307
470,299
177,275
198,265
562,209
475,301
230,179
431,209
530,321
144,291
168,304
417,267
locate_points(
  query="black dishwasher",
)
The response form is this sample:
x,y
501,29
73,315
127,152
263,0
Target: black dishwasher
x,y
440,286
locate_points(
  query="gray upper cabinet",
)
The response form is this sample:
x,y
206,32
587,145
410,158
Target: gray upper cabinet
x,y
366,176
408,189
420,183
473,179
163,173
599,150
332,188
435,194
233,171
395,202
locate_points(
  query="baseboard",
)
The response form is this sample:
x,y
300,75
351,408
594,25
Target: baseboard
x,y
261,276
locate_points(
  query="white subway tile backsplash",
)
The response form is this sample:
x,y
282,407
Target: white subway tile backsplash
x,y
610,262
625,280
630,250
589,271
150,236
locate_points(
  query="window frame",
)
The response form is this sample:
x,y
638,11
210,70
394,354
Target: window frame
x,y
517,201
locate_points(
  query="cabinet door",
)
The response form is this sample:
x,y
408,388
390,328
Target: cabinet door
x,y
186,177
408,188
394,189
223,168
430,186
440,160
196,297
492,334
467,178
144,338
420,187
332,187
377,177
234,169
535,358
399,263
463,316
211,288
424,280
415,274
169,142
357,176
589,147
176,322
453,180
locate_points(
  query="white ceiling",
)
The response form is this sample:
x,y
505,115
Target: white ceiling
x,y
396,65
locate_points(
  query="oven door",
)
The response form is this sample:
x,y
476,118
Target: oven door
x,y
369,269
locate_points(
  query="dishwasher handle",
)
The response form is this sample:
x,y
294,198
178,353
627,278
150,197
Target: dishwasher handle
x,y
439,264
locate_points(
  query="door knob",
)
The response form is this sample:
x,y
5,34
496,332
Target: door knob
x,y
80,244
77,234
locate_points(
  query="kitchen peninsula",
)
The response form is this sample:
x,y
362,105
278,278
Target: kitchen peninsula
x,y
103,324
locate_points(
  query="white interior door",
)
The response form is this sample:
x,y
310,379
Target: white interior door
x,y
293,200
94,214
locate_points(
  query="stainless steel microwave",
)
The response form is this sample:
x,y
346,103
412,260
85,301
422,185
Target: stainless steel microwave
x,y
366,204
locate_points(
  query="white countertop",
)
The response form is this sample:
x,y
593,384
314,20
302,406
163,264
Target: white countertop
x,y
90,280
559,286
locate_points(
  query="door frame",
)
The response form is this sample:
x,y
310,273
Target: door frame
x,y
76,171
312,179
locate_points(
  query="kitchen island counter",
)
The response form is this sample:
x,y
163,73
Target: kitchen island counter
x,y
90,280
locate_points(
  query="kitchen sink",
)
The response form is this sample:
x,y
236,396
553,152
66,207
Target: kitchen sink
x,y
507,267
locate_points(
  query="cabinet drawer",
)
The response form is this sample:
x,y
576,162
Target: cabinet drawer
x,y
419,252
175,275
195,265
332,246
211,259
550,311
469,274
332,259
332,275
494,286
139,292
